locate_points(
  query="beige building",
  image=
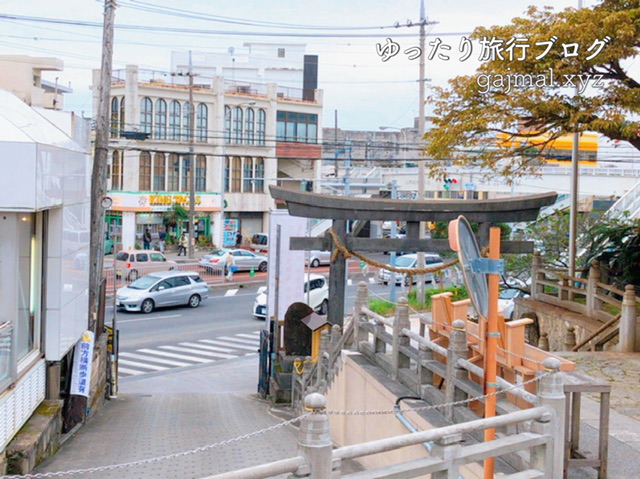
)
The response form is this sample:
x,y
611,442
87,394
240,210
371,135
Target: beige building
x,y
247,136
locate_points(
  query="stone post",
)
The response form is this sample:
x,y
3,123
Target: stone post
x,y
551,395
627,343
569,340
362,300
307,367
543,342
425,375
448,448
314,441
401,321
457,349
334,351
322,362
535,268
593,304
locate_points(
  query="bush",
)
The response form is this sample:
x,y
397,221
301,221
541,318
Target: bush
x,y
386,308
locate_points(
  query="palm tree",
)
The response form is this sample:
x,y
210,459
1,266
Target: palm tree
x,y
175,216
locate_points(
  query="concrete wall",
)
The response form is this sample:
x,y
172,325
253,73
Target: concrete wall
x,y
355,388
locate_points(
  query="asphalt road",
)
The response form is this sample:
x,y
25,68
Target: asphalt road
x,y
222,328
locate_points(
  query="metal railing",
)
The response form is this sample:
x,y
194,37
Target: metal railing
x,y
629,202
123,275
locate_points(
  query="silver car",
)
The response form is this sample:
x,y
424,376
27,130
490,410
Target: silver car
x,y
319,258
164,288
243,260
410,261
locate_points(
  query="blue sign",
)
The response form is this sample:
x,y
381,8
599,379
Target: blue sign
x,y
229,233
469,186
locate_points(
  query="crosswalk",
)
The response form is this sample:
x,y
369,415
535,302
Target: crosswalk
x,y
187,353
371,279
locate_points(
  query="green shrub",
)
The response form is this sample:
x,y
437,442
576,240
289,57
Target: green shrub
x,y
386,308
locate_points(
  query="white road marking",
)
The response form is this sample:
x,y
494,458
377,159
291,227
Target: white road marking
x,y
130,371
372,280
155,360
211,348
231,345
253,342
230,292
176,356
152,318
349,282
142,365
254,335
201,353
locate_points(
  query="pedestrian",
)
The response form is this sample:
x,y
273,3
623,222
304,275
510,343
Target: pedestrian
x,y
146,239
182,246
230,265
162,235
238,240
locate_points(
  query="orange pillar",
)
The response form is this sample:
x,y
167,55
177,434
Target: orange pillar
x,y
490,366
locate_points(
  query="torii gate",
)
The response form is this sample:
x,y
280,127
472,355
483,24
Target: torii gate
x,y
340,209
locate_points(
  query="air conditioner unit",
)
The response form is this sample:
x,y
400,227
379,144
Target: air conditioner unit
x,y
243,89
280,95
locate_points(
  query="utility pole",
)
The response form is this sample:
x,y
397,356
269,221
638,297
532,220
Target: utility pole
x,y
192,166
100,159
421,100
394,234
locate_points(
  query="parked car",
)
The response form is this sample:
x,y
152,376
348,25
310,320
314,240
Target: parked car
x,y
164,288
318,296
242,259
260,243
139,262
507,303
318,258
410,261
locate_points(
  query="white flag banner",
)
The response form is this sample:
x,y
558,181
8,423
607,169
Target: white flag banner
x,y
81,372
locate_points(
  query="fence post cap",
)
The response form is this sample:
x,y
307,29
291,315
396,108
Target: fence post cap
x,y
551,364
459,324
315,401
362,284
403,301
630,289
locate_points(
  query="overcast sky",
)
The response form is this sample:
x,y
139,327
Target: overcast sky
x,y
366,91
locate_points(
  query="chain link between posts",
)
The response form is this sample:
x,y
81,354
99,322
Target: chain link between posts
x,y
158,458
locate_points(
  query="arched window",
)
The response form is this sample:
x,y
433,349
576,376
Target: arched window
x,y
173,172
122,117
174,121
202,117
227,171
227,124
201,173
159,169
161,119
261,126
145,171
186,172
113,129
236,175
186,112
116,171
237,125
247,175
146,115
259,176
249,127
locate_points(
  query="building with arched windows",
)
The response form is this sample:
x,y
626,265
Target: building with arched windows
x,y
247,136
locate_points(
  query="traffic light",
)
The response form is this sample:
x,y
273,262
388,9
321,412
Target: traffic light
x,y
448,182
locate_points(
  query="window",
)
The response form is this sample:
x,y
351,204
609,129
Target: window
x,y
227,171
161,119
146,115
237,125
179,281
116,171
236,175
28,276
280,52
145,171
247,174
202,116
227,124
186,121
197,279
142,257
159,168
261,126
201,173
249,127
113,129
173,172
298,127
162,284
186,171
122,116
174,120
122,256
157,257
259,176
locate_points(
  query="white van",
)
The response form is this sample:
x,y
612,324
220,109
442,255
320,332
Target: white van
x,y
260,243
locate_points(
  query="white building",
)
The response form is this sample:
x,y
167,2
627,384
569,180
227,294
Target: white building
x,y
252,134
44,242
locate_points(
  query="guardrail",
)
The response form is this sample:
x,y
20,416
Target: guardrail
x,y
119,276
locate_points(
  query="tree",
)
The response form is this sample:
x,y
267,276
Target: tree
x,y
476,108
175,216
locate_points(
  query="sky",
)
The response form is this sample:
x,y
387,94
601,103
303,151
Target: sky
x,y
366,91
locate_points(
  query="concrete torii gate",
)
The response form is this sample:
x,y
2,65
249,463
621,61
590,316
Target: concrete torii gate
x,y
340,209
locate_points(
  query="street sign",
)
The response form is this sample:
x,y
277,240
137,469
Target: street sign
x,y
470,186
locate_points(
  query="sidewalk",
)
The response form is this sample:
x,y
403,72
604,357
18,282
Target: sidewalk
x,y
177,412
